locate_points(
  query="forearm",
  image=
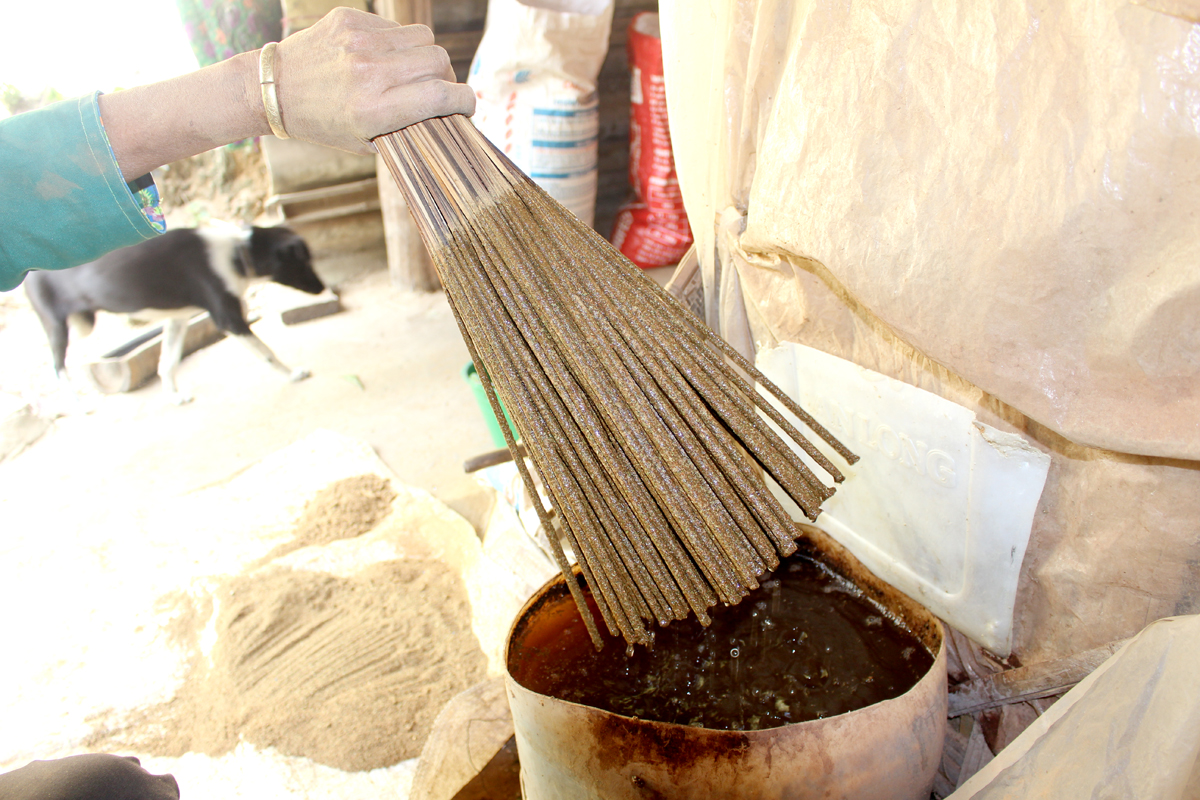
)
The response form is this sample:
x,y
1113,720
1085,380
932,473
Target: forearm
x,y
184,116
342,82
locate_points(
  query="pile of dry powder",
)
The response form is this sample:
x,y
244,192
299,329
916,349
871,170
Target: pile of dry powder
x,y
347,671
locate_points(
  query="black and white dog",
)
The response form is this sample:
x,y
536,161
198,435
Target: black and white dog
x,y
174,276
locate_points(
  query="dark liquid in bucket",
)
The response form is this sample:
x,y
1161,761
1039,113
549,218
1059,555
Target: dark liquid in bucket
x,y
806,645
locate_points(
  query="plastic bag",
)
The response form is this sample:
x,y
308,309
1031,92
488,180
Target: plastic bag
x,y
652,230
534,77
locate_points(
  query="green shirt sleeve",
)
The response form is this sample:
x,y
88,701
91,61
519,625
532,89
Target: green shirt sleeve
x,y
63,201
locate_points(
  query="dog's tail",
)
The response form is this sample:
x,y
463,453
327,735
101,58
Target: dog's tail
x,y
83,322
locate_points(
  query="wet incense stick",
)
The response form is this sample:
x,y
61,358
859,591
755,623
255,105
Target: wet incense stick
x,y
642,424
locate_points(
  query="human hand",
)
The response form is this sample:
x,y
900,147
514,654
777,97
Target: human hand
x,y
354,76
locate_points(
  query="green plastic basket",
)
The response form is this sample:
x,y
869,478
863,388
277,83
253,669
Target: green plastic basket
x,y
485,408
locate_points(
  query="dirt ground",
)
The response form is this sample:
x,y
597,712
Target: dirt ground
x,y
386,371
107,529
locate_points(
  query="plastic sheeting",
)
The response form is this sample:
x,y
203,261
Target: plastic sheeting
x,y
1012,189
1131,730
997,204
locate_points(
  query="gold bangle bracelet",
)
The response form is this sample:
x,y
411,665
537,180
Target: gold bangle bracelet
x,y
266,78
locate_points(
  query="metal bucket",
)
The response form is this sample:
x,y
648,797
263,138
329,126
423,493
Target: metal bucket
x,y
890,750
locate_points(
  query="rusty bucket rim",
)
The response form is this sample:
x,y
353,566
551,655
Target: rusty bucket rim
x,y
816,541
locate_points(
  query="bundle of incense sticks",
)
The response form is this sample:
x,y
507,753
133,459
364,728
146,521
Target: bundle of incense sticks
x,y
643,425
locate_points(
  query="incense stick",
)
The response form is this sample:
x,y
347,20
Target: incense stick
x,y
643,426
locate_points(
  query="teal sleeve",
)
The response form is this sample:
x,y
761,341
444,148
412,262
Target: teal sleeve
x,y
63,201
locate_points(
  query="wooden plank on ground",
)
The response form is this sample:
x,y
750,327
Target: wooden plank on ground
x,y
136,362
1031,682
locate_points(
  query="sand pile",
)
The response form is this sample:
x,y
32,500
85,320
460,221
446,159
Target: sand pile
x,y
348,670
345,509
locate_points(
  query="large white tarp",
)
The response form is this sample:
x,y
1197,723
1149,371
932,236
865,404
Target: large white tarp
x,y
998,203
1131,730
1011,188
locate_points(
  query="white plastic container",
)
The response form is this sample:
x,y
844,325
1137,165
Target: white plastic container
x,y
939,504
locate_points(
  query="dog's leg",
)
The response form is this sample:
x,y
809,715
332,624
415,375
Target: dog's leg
x,y
57,333
229,315
171,353
259,348
54,321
